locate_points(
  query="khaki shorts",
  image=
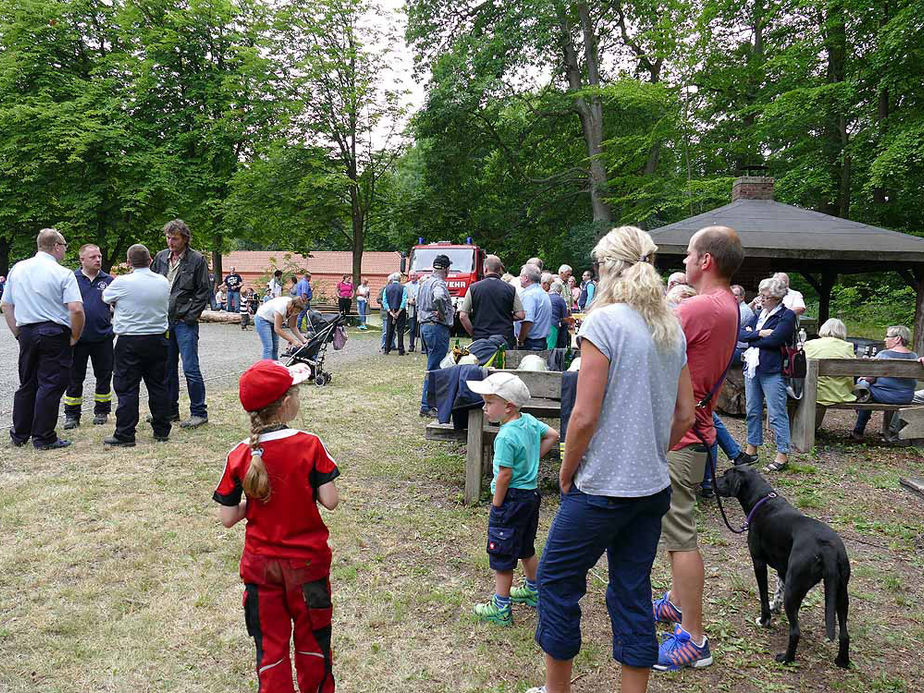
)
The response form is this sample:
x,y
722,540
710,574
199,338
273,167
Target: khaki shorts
x,y
678,527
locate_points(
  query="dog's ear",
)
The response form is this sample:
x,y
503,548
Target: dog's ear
x,y
735,477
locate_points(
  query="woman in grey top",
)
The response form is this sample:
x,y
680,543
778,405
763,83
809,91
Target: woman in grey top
x,y
634,401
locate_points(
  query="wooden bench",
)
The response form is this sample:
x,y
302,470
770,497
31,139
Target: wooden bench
x,y
545,402
803,425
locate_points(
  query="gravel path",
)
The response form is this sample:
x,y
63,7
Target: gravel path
x,y
224,352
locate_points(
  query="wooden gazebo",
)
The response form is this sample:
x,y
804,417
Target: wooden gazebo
x,y
783,238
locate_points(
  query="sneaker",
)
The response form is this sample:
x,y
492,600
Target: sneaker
x,y
490,613
118,442
706,492
665,611
430,413
18,443
194,422
100,419
162,439
744,458
536,689
172,418
71,422
678,651
524,595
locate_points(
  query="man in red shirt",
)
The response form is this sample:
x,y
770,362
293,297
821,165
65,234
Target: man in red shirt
x,y
710,324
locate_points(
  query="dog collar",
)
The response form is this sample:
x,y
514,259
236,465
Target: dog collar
x,y
747,522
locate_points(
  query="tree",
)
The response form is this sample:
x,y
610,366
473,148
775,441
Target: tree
x,y
335,54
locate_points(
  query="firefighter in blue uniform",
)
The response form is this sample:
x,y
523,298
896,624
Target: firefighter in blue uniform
x,y
95,343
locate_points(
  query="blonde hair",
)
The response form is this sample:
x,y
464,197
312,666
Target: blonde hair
x,y
296,305
627,275
256,481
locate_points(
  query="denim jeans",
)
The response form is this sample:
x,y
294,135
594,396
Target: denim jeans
x,y
882,396
535,344
384,315
724,440
772,387
268,338
436,337
363,307
184,344
234,301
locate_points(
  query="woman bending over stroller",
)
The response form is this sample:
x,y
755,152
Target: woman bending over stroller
x,y
272,320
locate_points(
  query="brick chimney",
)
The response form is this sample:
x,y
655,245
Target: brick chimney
x,y
752,188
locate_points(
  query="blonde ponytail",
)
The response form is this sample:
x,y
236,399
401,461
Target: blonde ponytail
x,y
256,481
627,275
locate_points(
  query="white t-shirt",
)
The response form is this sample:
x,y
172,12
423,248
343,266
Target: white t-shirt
x,y
362,292
273,307
627,455
793,300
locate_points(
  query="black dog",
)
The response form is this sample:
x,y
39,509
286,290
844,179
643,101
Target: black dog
x,y
802,550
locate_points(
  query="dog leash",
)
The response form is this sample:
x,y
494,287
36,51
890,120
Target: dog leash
x,y
710,457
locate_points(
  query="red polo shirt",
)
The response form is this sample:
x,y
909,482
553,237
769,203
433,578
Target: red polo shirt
x,y
287,524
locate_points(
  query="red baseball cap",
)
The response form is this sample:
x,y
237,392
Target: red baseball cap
x,y
266,381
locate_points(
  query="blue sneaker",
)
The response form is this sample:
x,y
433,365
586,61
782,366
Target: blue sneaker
x,y
665,611
678,651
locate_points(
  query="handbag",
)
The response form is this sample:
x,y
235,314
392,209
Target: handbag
x,y
793,361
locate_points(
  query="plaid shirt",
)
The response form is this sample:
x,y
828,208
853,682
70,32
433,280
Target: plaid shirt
x,y
434,304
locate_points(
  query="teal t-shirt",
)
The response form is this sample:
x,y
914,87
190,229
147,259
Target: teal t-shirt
x,y
517,446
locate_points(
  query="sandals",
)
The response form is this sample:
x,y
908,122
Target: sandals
x,y
776,466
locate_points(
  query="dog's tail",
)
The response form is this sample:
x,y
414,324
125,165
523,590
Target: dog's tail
x,y
834,576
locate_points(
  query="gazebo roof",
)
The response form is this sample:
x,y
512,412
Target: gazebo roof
x,y
770,229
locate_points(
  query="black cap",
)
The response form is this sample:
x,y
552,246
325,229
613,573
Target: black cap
x,y
441,262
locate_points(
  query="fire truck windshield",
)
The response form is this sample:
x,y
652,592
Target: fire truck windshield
x,y
463,259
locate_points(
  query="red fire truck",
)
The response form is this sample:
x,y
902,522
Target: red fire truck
x,y
467,264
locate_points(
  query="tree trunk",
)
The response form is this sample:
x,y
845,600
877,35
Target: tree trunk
x,y
919,311
217,269
359,232
828,280
589,110
882,112
837,135
4,256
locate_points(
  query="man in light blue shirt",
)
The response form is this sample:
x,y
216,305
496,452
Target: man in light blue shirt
x,y
533,330
141,301
44,311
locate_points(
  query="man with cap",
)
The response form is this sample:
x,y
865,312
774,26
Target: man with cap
x,y
44,311
95,343
435,314
491,305
141,301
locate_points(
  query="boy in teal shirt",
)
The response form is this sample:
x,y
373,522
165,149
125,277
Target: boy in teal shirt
x,y
514,517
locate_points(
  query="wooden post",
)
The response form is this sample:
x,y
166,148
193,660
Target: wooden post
x,y
474,455
803,426
919,311
828,280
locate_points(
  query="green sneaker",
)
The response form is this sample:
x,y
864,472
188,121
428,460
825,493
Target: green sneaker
x,y
524,595
490,613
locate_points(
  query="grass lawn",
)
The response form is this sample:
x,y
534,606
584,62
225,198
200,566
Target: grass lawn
x,y
115,574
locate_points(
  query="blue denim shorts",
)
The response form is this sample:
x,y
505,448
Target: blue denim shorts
x,y
512,528
586,526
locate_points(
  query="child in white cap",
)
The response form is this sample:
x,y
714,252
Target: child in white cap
x,y
514,517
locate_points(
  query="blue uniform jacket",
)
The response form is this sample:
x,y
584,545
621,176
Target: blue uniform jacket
x,y
98,325
783,325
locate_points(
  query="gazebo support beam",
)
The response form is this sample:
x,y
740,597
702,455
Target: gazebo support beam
x,y
828,280
915,279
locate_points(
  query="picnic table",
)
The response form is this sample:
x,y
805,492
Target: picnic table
x,y
545,402
803,424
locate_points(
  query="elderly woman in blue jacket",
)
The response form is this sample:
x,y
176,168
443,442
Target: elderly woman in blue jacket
x,y
771,328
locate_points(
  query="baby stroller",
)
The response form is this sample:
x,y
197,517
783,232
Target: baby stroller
x,y
322,331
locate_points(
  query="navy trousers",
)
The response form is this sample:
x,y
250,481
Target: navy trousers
x,y
100,354
44,371
137,358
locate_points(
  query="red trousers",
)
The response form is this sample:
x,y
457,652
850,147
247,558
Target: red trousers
x,y
280,592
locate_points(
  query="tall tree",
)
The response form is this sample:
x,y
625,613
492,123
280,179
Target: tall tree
x,y
336,55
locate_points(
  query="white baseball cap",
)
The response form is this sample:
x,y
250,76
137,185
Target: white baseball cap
x,y
505,385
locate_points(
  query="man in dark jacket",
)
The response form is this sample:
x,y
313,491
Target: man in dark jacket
x,y
491,305
188,275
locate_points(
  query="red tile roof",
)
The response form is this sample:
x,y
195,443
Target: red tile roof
x,y
258,262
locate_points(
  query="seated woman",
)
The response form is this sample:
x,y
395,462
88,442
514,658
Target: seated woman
x,y
771,328
889,390
831,344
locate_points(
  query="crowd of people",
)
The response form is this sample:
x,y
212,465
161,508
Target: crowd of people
x,y
653,358
62,319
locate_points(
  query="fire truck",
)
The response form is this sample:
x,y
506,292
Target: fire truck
x,y
467,265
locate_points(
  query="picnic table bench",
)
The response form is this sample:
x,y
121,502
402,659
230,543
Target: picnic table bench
x,y
545,402
803,425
